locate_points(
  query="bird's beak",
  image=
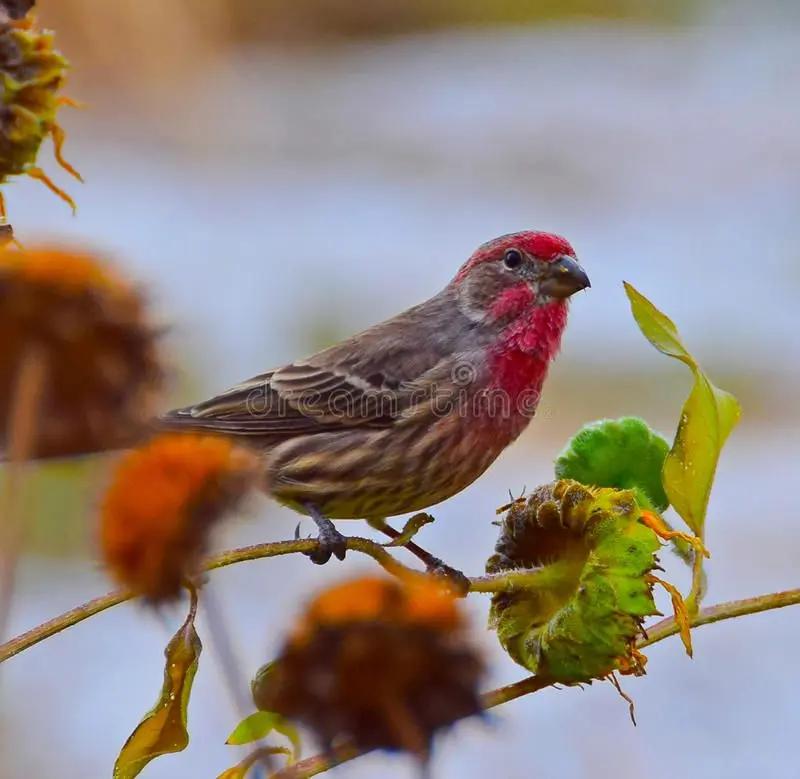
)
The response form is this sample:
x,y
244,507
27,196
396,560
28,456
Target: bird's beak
x,y
563,278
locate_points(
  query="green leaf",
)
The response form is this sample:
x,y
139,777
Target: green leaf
x,y
252,728
163,729
708,417
260,724
621,453
240,770
411,528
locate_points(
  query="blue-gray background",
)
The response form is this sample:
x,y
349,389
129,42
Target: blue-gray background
x,y
278,180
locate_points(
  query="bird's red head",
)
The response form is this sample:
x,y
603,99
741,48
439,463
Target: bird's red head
x,y
515,273
519,285
546,247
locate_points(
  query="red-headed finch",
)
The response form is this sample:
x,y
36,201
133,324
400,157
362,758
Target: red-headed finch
x,y
413,410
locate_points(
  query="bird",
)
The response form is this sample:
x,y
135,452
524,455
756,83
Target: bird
x,y
412,410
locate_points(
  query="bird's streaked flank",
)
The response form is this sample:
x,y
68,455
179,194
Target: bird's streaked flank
x,y
412,410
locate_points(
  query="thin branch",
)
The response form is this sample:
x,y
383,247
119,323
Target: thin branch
x,y
255,552
312,766
509,580
734,608
365,546
57,624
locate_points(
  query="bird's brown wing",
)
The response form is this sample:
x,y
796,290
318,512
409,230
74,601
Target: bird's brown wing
x,y
296,400
368,380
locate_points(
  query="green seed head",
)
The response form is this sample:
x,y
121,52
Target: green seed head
x,y
581,618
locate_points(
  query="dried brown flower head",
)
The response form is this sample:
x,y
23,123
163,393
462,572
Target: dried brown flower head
x,y
382,663
594,550
90,330
163,501
32,73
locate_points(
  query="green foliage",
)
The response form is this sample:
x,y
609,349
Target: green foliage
x,y
163,729
260,724
623,453
253,728
707,419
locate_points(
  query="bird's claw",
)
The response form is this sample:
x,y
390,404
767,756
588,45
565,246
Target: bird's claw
x,y
330,543
458,582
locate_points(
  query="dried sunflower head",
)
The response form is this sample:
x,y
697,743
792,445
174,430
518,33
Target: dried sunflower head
x,y
162,503
90,330
380,663
595,556
32,74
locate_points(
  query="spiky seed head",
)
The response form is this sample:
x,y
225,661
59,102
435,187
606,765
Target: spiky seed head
x,y
163,500
596,557
380,662
102,368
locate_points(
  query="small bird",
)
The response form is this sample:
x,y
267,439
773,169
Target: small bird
x,y
414,409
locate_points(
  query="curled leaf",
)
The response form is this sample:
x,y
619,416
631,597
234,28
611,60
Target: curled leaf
x,y
657,524
680,611
411,528
163,729
708,417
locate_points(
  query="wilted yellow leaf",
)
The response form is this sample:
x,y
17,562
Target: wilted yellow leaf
x,y
163,729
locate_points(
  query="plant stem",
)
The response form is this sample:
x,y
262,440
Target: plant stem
x,y
486,584
366,546
508,581
698,582
729,610
23,419
231,557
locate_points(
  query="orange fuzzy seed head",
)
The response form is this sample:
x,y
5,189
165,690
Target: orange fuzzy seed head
x,y
383,663
420,601
91,328
161,505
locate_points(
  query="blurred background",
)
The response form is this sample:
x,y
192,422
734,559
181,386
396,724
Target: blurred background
x,y
280,174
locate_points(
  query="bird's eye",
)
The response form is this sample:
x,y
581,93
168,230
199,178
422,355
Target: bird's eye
x,y
512,259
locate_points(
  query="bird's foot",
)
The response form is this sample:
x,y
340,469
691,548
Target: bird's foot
x,y
331,541
457,581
